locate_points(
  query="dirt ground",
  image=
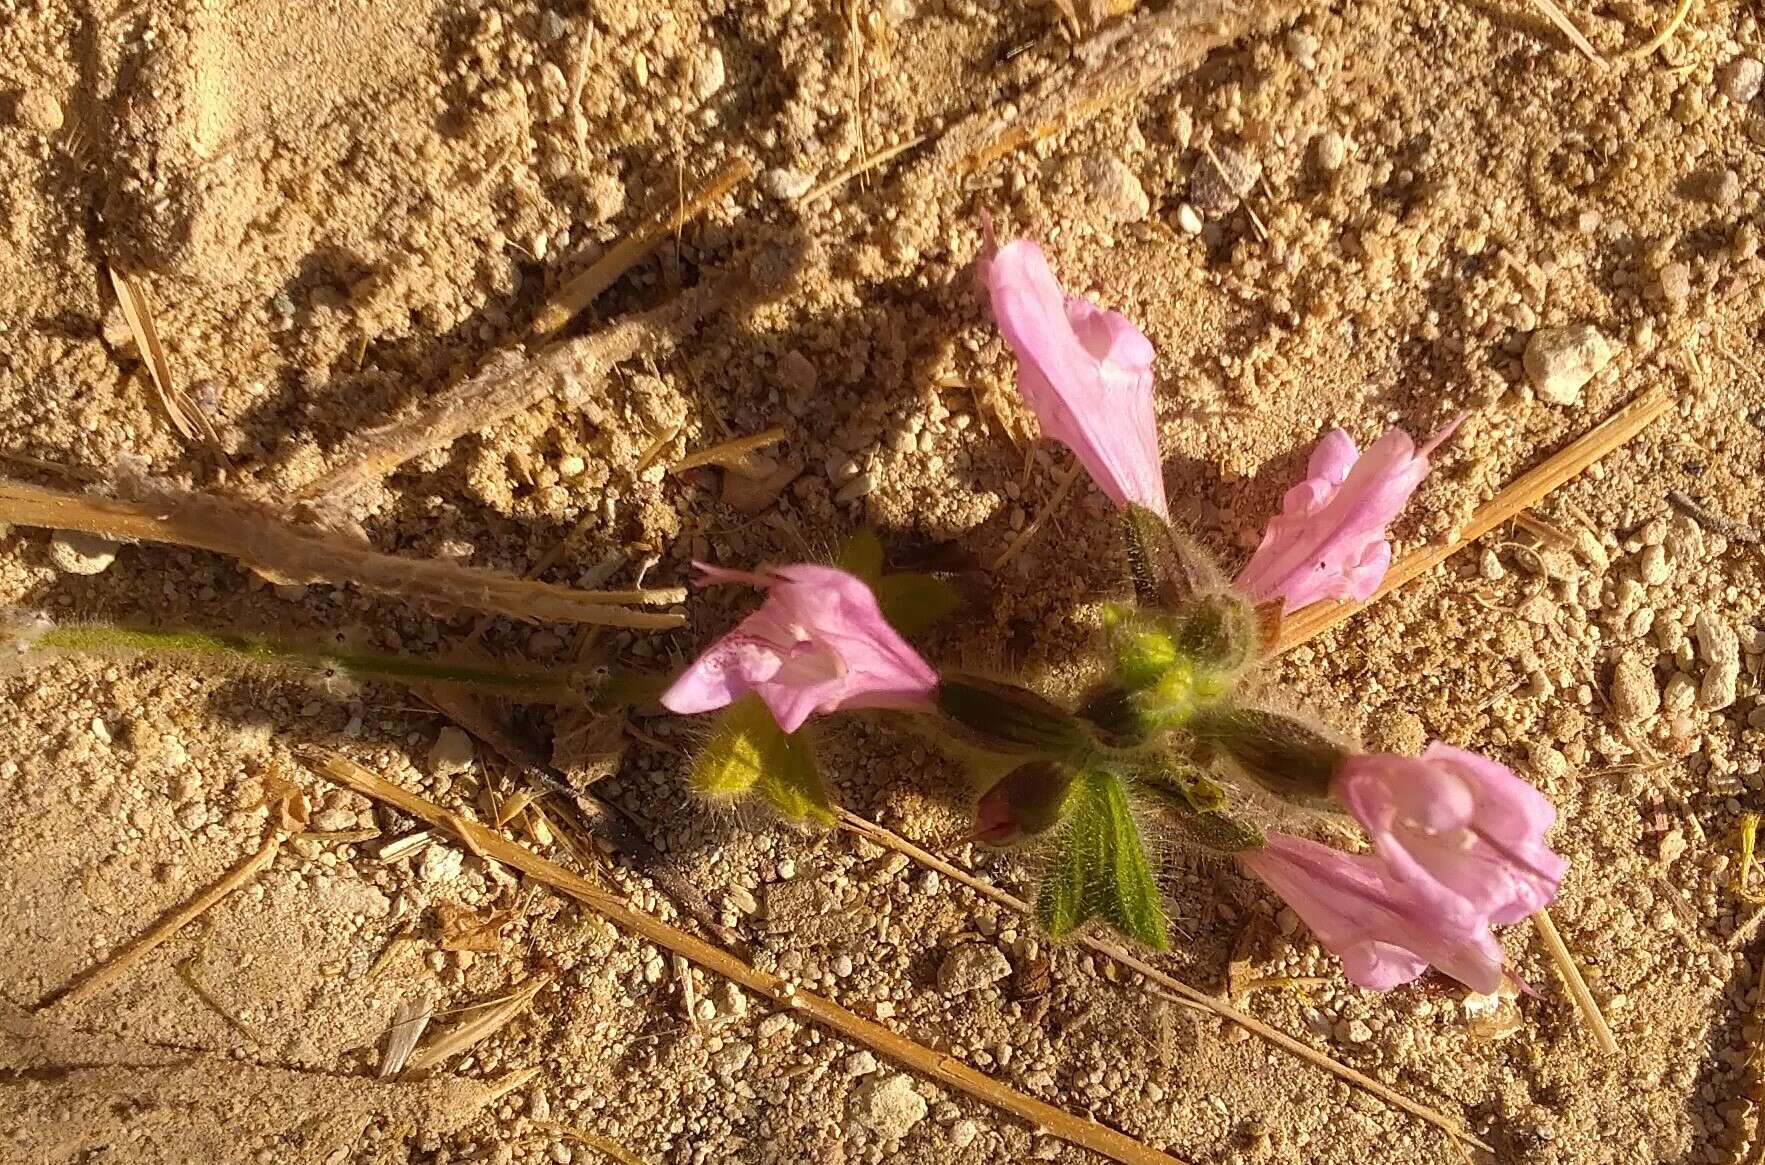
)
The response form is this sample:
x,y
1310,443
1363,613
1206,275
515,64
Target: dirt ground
x,y
338,207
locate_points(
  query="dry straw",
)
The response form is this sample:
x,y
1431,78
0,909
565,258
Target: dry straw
x,y
278,549
109,971
946,1070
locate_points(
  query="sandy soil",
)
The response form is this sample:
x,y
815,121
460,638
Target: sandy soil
x,y
338,207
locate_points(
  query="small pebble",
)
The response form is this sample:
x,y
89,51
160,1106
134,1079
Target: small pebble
x,y
1115,189
451,754
1187,220
1633,693
1675,282
1219,182
889,1106
1740,78
1329,150
1652,567
38,111
1559,361
786,185
860,1063
970,967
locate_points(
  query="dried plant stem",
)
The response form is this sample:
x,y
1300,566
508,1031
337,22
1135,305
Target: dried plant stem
x,y
1584,1000
185,415
1667,30
539,686
878,835
579,292
509,383
1555,14
729,453
1520,494
1035,524
1111,70
879,158
113,968
483,1024
942,1068
261,539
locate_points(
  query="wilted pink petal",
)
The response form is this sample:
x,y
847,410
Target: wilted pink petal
x,y
818,644
1328,542
1085,372
1383,934
1456,824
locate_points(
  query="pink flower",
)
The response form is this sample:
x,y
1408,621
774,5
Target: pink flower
x,y
818,644
1085,372
1329,540
1453,824
1383,934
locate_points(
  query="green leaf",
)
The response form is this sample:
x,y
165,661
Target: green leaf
x,y
862,555
1100,869
912,602
749,753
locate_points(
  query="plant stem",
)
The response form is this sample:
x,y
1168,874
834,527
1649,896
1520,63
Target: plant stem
x,y
362,665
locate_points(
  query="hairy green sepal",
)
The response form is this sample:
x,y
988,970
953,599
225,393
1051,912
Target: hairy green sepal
x,y
748,753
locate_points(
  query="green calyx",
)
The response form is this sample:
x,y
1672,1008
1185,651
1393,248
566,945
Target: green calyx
x,y
1196,804
749,754
1004,718
1286,755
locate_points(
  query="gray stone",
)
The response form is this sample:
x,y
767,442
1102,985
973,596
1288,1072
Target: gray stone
x,y
1740,78
1115,189
451,754
1220,181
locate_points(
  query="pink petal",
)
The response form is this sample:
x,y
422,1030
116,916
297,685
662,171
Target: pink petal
x,y
1329,539
818,644
1085,372
1383,935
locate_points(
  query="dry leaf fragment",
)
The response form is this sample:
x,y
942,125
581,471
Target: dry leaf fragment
x,y
464,930
185,415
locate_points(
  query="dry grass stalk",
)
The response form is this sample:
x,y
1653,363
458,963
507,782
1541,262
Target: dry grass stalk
x,y
881,157
1584,1000
1519,495
408,1024
271,546
1036,523
1111,70
602,1145
875,833
107,972
944,1069
185,415
1554,13
1682,11
730,454
486,1022
579,292
511,382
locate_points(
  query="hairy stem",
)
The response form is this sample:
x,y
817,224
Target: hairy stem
x,y
359,664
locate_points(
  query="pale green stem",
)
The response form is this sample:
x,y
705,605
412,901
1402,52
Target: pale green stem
x,y
361,665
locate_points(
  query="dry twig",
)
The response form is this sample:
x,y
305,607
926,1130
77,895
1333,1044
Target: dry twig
x,y
486,1022
511,382
111,969
1584,1000
271,546
1558,17
946,1070
579,292
185,415
878,835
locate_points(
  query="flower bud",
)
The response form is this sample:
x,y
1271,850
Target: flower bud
x,y
1022,803
1287,756
1004,718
